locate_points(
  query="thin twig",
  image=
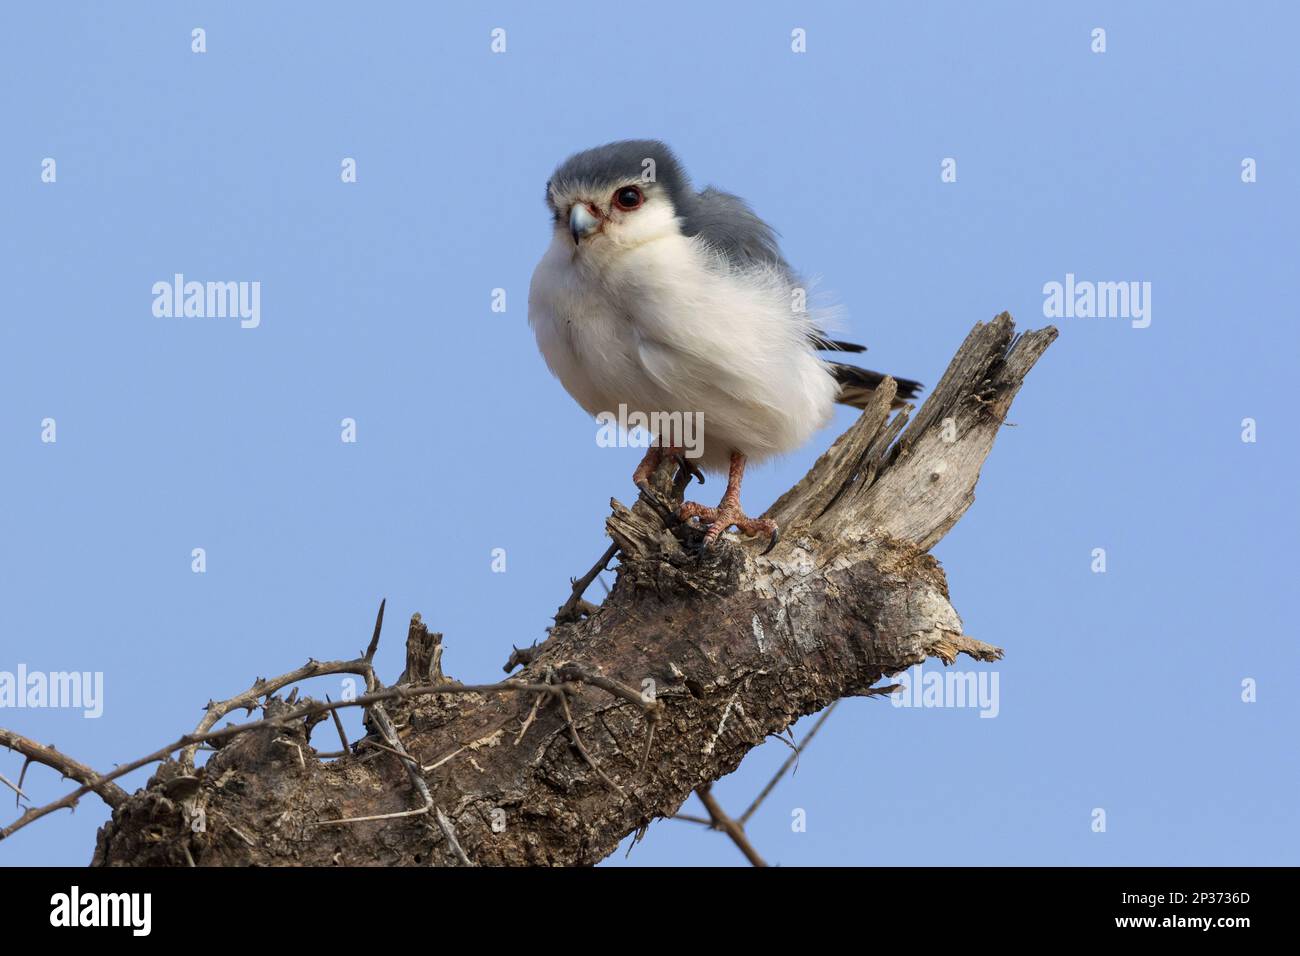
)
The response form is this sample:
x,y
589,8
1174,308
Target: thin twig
x,y
371,742
532,715
13,786
649,742
691,818
338,725
727,825
74,770
582,748
413,770
572,609
790,761
574,672
302,761
719,820
450,833
395,746
438,763
249,699
417,812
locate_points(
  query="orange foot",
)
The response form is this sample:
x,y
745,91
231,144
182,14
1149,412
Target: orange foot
x,y
728,513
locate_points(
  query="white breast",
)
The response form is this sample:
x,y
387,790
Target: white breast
x,y
669,327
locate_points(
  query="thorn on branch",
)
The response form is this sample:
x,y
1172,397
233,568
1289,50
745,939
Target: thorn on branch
x,y
374,640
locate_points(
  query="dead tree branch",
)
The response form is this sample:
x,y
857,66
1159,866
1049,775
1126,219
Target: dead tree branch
x,y
47,756
628,708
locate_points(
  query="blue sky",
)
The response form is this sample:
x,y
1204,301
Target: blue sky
x,y
1120,691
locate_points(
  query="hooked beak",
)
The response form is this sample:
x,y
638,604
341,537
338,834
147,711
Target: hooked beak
x,y
581,222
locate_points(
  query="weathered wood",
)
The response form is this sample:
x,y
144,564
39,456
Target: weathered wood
x,y
732,646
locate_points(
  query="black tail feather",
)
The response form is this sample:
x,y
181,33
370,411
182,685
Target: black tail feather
x,y
834,345
858,384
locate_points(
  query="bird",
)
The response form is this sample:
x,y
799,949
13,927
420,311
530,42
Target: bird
x,y
657,297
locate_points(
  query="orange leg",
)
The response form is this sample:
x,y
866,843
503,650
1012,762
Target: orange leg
x,y
728,512
653,456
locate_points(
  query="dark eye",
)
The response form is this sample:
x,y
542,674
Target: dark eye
x,y
629,197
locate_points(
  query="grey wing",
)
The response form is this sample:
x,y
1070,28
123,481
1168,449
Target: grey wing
x,y
726,223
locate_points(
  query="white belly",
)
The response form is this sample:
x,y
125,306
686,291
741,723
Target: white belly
x,y
666,329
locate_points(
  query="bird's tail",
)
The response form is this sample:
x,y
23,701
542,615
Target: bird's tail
x,y
857,385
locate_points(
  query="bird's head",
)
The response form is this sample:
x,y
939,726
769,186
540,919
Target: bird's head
x,y
616,197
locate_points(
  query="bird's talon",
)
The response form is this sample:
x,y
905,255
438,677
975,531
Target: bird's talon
x,y
690,469
727,515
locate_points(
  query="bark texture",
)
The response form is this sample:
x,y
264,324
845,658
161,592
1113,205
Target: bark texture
x,y
730,647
